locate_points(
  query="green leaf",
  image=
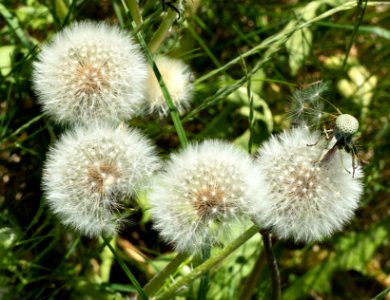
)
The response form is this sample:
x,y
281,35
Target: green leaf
x,y
353,252
298,47
6,58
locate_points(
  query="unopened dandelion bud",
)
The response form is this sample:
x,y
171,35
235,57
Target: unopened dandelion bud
x,y
308,200
90,71
91,172
204,190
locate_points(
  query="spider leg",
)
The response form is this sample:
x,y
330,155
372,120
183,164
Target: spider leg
x,y
355,155
326,131
328,137
331,152
342,163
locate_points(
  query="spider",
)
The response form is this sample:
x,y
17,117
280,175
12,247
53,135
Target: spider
x,y
307,105
344,129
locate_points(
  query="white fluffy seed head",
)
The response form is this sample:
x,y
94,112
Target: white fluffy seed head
x,y
90,71
178,79
307,200
347,124
203,191
91,171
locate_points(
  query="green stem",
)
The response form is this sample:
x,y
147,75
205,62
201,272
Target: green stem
x,y
207,265
158,280
174,113
204,279
130,275
23,127
162,30
359,21
272,265
15,27
134,12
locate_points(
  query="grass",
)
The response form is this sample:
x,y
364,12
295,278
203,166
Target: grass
x,y
247,57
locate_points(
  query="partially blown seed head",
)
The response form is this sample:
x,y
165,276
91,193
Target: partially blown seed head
x,y
91,171
204,189
307,200
178,79
90,71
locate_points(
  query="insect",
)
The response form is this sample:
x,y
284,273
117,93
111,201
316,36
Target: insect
x,y
345,127
307,108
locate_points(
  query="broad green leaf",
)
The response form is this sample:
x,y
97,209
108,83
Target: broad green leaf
x,y
298,47
353,252
309,11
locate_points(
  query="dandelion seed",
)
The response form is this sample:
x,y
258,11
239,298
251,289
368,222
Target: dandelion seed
x,y
307,104
90,71
314,199
84,185
191,215
178,79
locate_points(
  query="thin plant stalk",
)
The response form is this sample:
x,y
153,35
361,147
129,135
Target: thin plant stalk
x,y
207,265
204,279
134,12
162,31
173,110
130,275
23,127
272,265
158,280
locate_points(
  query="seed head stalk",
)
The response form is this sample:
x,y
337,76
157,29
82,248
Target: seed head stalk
x,y
272,265
126,270
207,265
158,280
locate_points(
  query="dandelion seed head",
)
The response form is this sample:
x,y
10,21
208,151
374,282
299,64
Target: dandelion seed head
x,y
91,171
90,71
204,190
310,200
178,79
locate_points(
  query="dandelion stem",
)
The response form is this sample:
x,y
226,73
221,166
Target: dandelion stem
x,y
126,270
161,32
158,280
207,265
272,265
204,279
